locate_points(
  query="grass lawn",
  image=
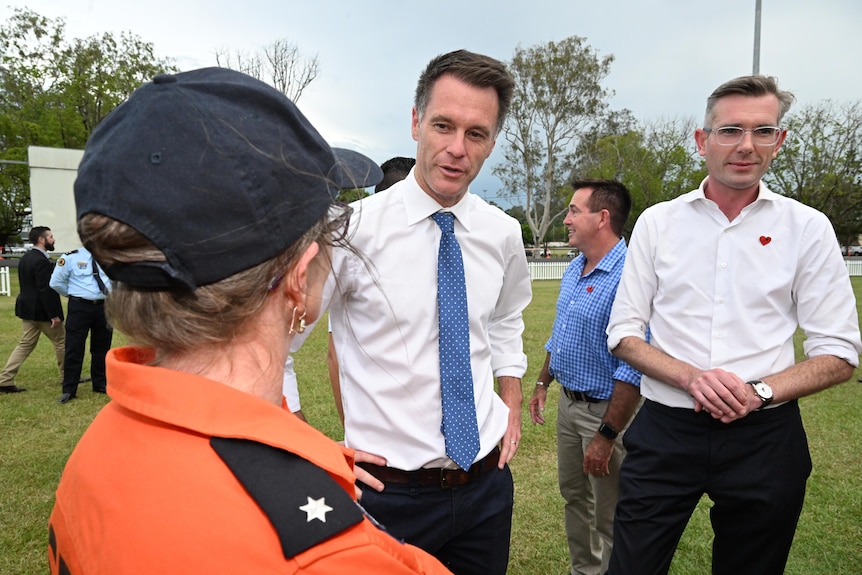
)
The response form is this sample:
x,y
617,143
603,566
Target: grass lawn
x,y
38,435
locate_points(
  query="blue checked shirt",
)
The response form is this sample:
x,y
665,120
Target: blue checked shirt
x,y
578,345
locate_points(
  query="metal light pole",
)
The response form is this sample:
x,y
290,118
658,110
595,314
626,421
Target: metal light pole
x,y
756,66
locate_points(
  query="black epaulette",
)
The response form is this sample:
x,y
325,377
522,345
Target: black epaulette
x,y
72,252
304,504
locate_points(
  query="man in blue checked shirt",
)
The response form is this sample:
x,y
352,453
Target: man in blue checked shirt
x,y
600,393
78,277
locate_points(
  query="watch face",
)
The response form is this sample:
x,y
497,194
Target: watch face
x,y
763,390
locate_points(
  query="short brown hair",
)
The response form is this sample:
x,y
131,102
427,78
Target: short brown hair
x,y
473,69
749,86
609,195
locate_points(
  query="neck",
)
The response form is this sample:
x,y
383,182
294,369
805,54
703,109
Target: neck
x,y
250,362
730,201
594,252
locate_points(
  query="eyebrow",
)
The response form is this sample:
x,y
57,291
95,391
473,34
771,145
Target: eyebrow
x,y
478,127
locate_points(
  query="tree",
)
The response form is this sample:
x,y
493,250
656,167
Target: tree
x,y
281,65
54,92
349,196
820,164
558,95
519,214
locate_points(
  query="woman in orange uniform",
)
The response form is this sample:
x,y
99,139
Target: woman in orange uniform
x,y
208,199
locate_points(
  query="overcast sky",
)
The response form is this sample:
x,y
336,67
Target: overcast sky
x,y
669,54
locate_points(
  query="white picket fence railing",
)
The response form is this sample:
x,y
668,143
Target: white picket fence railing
x,y
539,270
5,286
553,270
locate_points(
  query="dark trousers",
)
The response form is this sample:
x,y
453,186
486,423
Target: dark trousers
x,y
84,317
754,470
467,527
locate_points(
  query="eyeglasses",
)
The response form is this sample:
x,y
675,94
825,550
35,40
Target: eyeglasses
x,y
732,135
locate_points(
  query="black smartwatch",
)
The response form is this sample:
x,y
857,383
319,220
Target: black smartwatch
x,y
607,431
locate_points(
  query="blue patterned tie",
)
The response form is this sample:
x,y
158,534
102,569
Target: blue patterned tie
x,y
456,379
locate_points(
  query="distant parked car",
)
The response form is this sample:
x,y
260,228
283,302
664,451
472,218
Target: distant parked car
x,y
572,254
20,249
854,251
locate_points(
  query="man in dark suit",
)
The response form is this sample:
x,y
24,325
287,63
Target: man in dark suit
x,y
38,306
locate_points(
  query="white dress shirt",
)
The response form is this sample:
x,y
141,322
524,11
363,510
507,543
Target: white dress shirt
x,y
730,295
384,321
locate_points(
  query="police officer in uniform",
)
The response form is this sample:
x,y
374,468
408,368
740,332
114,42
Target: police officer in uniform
x,y
79,277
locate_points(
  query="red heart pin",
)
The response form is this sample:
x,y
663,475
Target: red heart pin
x,y
765,240
589,289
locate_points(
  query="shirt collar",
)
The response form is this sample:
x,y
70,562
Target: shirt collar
x,y
420,206
764,193
608,261
611,258
165,395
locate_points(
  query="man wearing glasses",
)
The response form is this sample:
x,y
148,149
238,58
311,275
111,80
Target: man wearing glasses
x,y
723,276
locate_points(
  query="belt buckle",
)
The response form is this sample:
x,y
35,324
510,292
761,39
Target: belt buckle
x,y
444,482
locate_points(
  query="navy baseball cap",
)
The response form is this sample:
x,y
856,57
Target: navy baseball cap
x,y
217,169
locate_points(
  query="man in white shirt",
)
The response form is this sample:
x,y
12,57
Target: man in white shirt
x,y
724,275
385,327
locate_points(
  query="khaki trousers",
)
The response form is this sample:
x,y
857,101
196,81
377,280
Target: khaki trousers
x,y
590,501
29,339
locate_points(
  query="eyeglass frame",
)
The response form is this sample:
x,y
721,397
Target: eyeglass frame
x,y
778,130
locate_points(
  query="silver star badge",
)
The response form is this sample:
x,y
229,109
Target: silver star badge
x,y
316,509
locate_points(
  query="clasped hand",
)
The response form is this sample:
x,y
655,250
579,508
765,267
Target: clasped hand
x,y
724,395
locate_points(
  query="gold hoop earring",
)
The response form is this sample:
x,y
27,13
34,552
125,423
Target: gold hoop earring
x,y
294,328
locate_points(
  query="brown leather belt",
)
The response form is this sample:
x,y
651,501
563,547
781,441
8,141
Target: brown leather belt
x,y
579,396
430,476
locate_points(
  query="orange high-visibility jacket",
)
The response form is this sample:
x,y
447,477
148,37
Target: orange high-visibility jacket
x,y
181,474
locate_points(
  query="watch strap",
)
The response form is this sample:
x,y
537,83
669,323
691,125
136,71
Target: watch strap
x,y
608,431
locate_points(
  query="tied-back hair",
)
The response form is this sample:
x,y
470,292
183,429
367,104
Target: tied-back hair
x,y
181,321
473,69
609,195
752,86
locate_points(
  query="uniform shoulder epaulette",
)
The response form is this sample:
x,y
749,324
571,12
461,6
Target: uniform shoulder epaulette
x,y
304,504
62,260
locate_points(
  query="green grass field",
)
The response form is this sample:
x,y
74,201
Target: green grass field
x,y
37,435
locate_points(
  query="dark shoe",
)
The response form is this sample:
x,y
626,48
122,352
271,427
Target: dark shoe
x,y
11,389
66,398
84,380
100,390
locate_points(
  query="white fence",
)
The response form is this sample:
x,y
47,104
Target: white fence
x,y
5,287
539,270
553,270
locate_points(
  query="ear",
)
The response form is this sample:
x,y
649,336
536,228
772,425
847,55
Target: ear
x,y
414,124
491,149
700,136
781,139
296,280
605,217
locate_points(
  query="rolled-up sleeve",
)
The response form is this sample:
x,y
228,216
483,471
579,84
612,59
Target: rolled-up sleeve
x,y
630,313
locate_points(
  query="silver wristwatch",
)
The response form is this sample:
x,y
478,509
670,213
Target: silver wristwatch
x,y
761,390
